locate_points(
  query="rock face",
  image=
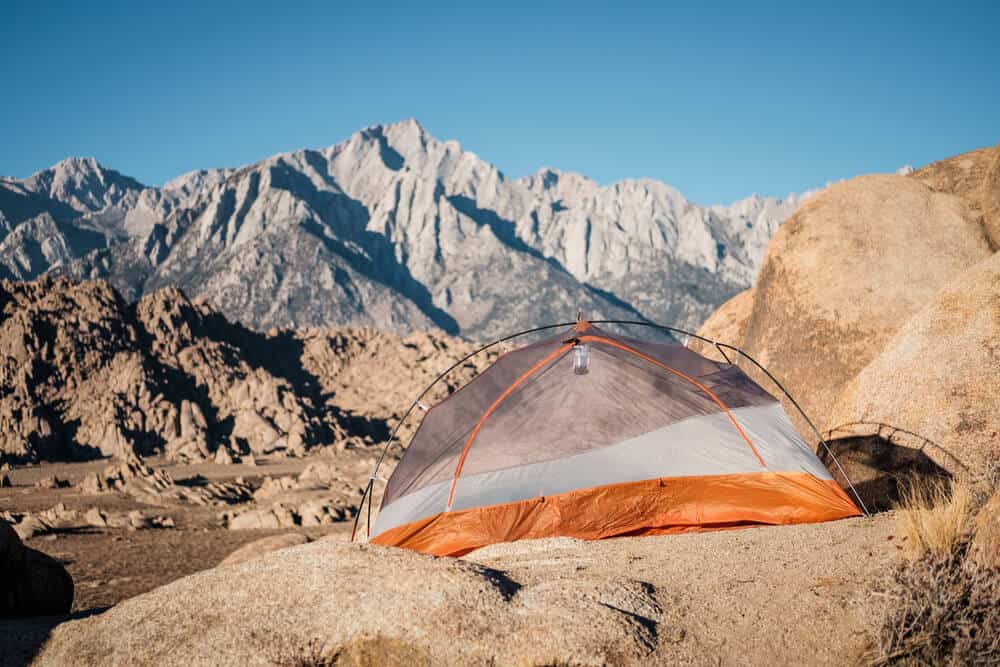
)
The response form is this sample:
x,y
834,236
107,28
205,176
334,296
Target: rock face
x,y
86,374
974,176
726,325
74,208
31,583
391,228
876,306
939,376
843,274
274,608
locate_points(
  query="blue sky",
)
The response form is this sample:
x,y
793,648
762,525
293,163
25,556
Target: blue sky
x,y
717,99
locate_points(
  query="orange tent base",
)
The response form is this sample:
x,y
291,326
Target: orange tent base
x,y
650,507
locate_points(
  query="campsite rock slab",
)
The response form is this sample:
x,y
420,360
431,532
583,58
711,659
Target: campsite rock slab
x,y
412,608
684,599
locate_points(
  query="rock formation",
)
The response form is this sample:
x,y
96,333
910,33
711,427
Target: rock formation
x,y
86,374
272,608
938,377
877,307
60,519
391,228
132,477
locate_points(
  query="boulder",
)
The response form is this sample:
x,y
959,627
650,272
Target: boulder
x,y
96,517
288,607
263,546
937,380
727,325
843,275
321,472
223,456
31,583
258,431
51,482
974,176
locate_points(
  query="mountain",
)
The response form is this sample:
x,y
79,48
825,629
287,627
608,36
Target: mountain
x,y
72,209
391,228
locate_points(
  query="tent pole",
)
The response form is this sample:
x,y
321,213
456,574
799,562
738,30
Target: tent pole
x,y
809,421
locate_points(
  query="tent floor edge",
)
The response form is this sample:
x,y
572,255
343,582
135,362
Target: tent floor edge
x,y
649,507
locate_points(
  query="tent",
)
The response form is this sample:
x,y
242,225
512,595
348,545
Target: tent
x,y
592,435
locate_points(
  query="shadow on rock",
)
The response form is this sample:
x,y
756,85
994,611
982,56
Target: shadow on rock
x,y
22,639
879,468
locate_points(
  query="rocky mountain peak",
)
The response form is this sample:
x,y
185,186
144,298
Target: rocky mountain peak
x,y
396,229
83,183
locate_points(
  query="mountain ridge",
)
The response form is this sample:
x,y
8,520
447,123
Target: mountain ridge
x,y
391,228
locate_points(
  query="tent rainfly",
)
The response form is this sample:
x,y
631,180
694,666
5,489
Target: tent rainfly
x,y
592,435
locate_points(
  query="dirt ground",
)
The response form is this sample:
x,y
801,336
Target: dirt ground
x,y
109,565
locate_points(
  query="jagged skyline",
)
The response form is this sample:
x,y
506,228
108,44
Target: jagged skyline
x,y
391,227
719,101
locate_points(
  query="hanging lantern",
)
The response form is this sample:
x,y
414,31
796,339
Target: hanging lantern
x,y
581,359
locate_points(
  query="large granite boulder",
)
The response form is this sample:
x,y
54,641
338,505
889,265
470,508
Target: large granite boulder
x,y
846,271
937,381
365,605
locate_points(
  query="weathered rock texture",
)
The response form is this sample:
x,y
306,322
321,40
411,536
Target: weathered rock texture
x,y
726,325
265,545
542,602
939,375
974,176
86,374
877,307
474,614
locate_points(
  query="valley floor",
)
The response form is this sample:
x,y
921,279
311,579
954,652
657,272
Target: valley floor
x,y
109,565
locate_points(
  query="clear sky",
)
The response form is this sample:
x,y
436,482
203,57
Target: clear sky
x,y
718,99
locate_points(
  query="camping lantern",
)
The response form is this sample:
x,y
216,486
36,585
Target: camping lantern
x,y
581,359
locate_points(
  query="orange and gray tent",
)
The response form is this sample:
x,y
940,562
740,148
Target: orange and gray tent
x,y
592,435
